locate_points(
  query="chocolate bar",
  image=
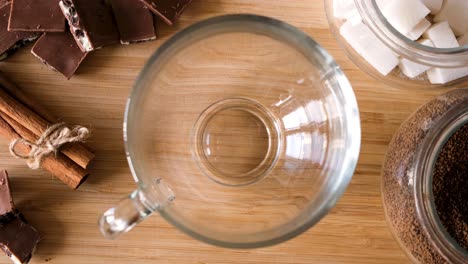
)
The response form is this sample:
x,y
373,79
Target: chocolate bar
x,y
18,239
91,23
36,16
59,51
167,10
134,21
11,41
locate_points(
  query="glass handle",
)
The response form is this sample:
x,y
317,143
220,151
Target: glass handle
x,y
134,209
123,217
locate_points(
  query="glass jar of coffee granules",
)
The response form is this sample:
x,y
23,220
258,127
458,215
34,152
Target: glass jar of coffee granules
x,y
425,181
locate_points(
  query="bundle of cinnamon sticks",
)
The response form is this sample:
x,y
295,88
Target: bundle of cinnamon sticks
x,y
22,118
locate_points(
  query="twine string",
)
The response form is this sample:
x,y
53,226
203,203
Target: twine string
x,y
51,140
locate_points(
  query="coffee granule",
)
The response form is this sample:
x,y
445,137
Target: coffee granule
x,y
450,186
398,177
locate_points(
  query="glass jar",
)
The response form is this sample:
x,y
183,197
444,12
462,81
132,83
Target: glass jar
x,y
407,179
400,45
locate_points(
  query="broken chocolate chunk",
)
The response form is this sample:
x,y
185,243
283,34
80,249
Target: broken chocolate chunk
x,y
91,23
7,208
167,10
60,52
134,21
6,201
18,239
36,16
11,41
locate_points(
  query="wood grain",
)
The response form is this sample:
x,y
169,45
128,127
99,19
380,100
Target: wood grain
x,y
354,232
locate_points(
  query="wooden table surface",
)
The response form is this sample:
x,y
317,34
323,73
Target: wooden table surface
x,y
353,232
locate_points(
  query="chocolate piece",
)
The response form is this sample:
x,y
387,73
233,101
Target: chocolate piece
x,y
6,201
36,16
4,2
18,239
167,10
60,52
134,21
11,41
91,23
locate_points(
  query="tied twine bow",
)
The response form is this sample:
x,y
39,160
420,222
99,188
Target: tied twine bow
x,y
50,141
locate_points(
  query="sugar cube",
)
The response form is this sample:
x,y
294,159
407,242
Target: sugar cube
x,y
366,44
441,35
433,5
455,13
419,29
344,9
413,69
404,15
446,75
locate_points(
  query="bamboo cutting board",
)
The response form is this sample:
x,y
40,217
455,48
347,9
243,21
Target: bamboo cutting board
x,y
354,232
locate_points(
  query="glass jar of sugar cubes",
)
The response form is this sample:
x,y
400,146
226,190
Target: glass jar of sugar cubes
x,y
404,43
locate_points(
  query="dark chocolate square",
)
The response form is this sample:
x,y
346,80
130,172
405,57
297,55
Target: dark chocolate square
x,y
167,10
36,16
11,41
134,21
60,51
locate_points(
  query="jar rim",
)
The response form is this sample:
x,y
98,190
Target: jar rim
x,y
436,57
426,157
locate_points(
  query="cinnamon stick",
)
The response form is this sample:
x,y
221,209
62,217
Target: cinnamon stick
x,y
58,165
33,122
14,91
17,93
18,128
28,135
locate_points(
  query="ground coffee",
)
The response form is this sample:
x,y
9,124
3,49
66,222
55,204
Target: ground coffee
x,y
450,186
398,177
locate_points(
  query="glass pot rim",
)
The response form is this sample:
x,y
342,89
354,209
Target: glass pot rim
x,y
426,158
435,57
343,91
